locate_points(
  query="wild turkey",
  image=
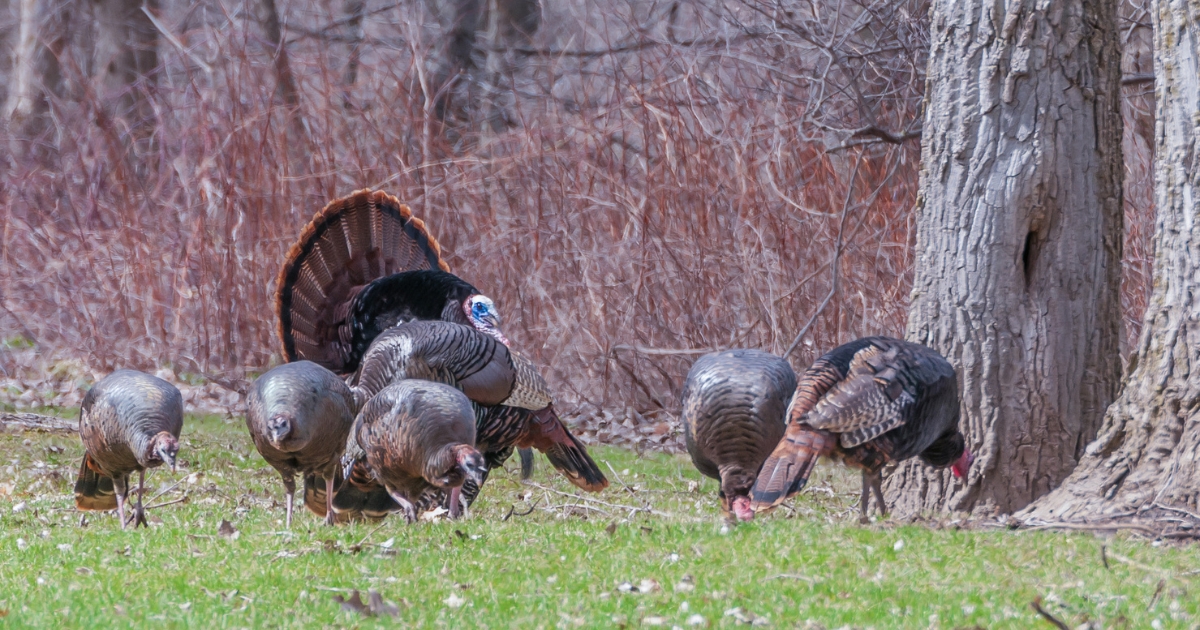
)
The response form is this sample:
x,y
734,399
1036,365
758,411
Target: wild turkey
x,y
362,265
417,437
868,403
733,406
299,417
491,376
513,405
128,422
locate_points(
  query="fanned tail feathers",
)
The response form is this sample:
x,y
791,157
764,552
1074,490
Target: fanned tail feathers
x,y
361,496
566,453
350,242
314,497
94,491
787,469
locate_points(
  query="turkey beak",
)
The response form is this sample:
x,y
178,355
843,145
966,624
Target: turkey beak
x,y
167,456
278,430
475,472
742,509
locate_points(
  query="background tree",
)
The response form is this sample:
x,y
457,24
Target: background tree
x,y
1146,460
1017,274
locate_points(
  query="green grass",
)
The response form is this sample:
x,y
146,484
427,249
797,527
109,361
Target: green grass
x,y
564,564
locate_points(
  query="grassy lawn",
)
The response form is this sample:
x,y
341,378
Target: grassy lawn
x,y
653,552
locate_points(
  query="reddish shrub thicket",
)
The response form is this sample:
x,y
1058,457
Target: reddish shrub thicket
x,y
669,191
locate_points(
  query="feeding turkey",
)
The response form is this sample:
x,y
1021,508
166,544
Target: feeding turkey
x,y
867,403
733,417
129,422
299,415
512,404
362,265
416,437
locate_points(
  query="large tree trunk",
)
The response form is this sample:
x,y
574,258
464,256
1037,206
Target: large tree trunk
x,y
1147,457
1019,241
127,60
477,65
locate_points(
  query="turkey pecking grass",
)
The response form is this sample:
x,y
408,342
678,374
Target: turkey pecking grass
x,y
513,405
867,403
417,437
733,410
129,421
299,415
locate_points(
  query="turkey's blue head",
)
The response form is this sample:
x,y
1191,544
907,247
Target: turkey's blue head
x,y
482,314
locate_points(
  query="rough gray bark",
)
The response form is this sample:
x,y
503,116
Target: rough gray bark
x,y
126,60
1019,241
1147,456
477,58
42,30
21,49
285,81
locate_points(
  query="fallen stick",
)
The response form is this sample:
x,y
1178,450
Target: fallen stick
x,y
1037,605
37,422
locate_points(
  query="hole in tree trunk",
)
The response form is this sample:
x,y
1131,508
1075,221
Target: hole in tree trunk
x,y
1029,256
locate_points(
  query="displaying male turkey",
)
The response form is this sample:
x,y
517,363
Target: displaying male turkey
x,y
299,417
418,437
128,422
513,405
733,417
868,403
362,265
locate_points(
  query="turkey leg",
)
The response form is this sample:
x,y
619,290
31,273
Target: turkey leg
x,y
121,486
330,518
289,487
871,483
406,507
139,513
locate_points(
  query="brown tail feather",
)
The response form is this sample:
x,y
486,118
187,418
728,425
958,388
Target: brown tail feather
x,y
787,469
350,242
526,456
94,491
361,496
566,453
314,497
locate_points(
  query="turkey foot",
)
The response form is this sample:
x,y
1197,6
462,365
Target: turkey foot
x,y
871,483
139,512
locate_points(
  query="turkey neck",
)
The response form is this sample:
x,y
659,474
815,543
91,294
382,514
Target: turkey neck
x,y
144,409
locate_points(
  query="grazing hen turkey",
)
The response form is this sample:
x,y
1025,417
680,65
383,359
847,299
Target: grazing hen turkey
x,y
362,265
299,417
513,405
418,437
733,406
128,422
867,403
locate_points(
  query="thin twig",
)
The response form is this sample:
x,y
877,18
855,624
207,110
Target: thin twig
x,y
512,510
369,534
663,351
162,28
158,505
837,257
1037,605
